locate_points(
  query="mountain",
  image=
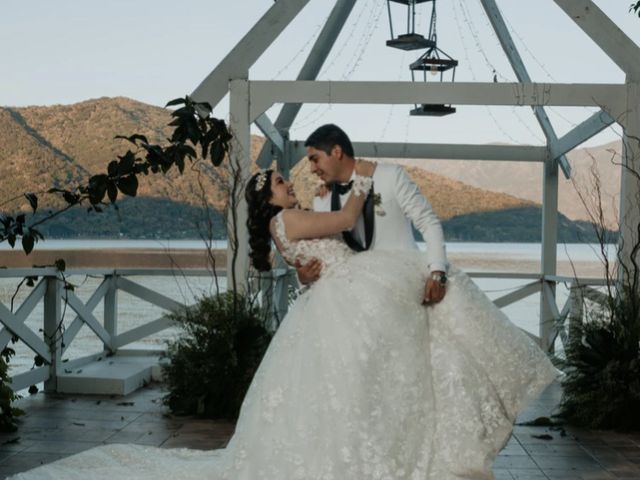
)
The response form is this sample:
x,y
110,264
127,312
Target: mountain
x,y
63,145
524,179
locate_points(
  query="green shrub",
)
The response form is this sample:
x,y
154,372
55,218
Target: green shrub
x,y
8,413
213,362
602,386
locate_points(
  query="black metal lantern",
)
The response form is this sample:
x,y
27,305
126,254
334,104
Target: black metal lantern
x,y
410,40
434,62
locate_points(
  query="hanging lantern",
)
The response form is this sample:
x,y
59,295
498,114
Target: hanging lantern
x,y
433,63
409,40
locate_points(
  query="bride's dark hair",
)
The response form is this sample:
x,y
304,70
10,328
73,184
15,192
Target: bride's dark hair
x,y
258,193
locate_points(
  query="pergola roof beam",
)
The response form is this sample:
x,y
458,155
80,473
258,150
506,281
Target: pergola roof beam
x,y
271,132
606,34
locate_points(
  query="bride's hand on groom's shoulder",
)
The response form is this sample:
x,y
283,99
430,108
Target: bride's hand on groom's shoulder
x,y
365,168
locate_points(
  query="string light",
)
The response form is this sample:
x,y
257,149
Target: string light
x,y
353,63
473,75
474,32
302,49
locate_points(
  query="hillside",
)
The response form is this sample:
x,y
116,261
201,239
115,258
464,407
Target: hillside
x,y
60,145
524,179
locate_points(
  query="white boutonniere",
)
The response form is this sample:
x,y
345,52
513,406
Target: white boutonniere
x,y
377,205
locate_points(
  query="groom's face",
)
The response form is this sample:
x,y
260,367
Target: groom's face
x,y
325,165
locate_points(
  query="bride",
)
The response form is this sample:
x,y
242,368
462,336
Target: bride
x,y
361,381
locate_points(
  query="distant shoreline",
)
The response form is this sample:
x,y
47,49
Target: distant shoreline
x,y
198,259
115,258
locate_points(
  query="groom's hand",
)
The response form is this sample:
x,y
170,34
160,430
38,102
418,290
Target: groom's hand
x,y
309,272
434,291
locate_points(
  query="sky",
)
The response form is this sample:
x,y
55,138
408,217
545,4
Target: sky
x,y
66,51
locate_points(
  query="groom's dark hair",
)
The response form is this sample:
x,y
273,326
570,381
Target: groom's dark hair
x,y
328,136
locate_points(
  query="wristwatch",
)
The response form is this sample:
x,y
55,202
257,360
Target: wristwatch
x,y
440,277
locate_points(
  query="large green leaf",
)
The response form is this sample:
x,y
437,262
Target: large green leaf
x,y
97,188
176,101
128,185
126,163
33,201
112,191
27,243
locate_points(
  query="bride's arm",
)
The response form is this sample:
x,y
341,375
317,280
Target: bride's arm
x,y
301,224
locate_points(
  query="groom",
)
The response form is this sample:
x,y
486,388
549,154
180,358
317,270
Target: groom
x,y
394,203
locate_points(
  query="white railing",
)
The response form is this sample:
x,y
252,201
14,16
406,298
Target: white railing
x,y
53,342
555,322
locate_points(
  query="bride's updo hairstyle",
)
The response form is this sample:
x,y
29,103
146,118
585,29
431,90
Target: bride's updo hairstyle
x,y
258,193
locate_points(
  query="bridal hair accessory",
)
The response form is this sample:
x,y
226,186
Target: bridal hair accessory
x,y
260,180
361,185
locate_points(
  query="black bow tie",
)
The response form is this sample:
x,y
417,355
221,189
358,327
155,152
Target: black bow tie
x,y
343,188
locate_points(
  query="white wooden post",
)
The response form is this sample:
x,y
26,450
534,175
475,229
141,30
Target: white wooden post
x,y
53,338
111,309
549,249
240,159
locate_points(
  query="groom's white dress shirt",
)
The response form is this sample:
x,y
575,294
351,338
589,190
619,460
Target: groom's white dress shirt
x,y
402,204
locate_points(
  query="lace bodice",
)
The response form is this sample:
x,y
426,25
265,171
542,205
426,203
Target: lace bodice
x,y
331,251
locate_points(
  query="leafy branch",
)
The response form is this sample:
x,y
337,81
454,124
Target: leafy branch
x,y
194,129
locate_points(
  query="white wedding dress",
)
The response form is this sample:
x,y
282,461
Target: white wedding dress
x,y
361,382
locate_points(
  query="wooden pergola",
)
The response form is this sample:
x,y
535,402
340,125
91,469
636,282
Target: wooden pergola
x,y
618,103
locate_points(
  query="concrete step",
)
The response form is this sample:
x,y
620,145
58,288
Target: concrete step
x,y
115,375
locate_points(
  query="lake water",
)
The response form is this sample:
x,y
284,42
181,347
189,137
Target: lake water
x,y
133,312
517,251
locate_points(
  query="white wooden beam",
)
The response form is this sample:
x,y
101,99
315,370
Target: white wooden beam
x,y
548,262
265,93
440,151
581,133
238,61
24,310
606,34
30,377
51,327
88,318
523,292
148,295
110,311
25,334
142,331
270,131
70,332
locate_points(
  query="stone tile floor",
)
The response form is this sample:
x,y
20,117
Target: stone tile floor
x,y
58,426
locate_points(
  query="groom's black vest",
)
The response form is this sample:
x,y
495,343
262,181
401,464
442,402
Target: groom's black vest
x,y
369,220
